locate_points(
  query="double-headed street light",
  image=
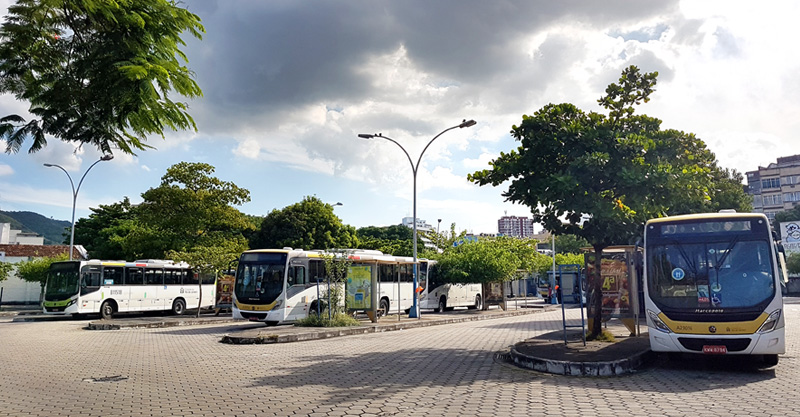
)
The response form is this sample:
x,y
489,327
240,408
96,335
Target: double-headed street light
x,y
75,194
414,312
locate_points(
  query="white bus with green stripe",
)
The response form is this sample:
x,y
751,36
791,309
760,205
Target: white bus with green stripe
x,y
109,287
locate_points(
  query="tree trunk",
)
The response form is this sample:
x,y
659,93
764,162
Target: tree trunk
x,y
485,292
595,310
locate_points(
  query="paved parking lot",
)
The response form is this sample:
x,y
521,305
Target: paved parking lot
x,y
57,368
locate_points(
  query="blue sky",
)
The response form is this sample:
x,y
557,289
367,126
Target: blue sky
x,y
289,85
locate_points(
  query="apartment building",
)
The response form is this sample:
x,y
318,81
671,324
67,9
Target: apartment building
x,y
515,226
776,187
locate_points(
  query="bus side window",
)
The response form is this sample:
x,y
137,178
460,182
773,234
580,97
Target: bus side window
x,y
297,276
316,270
190,278
90,276
406,273
171,277
387,273
154,276
134,276
112,275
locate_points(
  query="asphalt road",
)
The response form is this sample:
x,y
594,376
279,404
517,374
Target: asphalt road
x,y
57,368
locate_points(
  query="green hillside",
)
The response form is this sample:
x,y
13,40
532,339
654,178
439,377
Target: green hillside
x,y
52,230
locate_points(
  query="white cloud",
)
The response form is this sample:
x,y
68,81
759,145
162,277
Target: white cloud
x,y
6,170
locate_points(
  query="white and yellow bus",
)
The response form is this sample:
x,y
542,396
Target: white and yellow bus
x,y
712,285
277,286
108,287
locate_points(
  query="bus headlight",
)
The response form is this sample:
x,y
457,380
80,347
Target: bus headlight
x,y
278,304
71,302
771,322
659,325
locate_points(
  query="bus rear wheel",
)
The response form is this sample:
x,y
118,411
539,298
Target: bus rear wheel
x,y
107,310
477,305
178,307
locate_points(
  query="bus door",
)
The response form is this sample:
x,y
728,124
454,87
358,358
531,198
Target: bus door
x,y
297,299
134,280
113,286
154,297
91,280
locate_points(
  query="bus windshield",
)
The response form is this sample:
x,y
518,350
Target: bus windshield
x,y
62,281
717,274
259,278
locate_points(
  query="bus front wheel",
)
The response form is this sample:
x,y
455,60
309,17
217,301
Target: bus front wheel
x,y
178,307
442,305
770,360
384,307
106,310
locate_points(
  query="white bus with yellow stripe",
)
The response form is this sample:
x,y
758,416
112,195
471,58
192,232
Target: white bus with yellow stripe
x,y
109,287
277,286
713,285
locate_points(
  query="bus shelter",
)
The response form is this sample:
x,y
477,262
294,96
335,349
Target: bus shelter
x,y
620,276
361,289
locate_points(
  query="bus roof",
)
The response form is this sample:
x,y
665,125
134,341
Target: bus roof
x,y
707,216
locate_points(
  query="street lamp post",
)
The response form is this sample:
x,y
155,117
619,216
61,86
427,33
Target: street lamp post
x,y
414,312
75,194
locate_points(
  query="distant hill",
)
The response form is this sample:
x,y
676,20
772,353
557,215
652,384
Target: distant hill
x,y
52,230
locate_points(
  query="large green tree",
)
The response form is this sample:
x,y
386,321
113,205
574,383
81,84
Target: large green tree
x,y
98,233
394,232
395,240
487,261
309,224
601,177
96,72
189,209
570,244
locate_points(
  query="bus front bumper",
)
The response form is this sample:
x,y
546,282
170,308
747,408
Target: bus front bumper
x,y
760,343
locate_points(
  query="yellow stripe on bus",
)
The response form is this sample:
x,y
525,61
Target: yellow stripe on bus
x,y
714,328
256,307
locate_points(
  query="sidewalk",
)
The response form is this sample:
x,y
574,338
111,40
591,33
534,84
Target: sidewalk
x,y
550,353
546,352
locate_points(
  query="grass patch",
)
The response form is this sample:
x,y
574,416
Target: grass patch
x,y
604,336
338,320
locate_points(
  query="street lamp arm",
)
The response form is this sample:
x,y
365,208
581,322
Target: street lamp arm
x,y
75,195
414,311
434,138
72,184
84,175
380,135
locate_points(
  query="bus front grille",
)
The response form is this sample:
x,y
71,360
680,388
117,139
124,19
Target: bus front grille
x,y
254,316
733,345
55,309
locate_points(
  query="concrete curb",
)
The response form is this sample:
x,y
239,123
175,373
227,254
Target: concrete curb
x,y
610,368
112,325
262,338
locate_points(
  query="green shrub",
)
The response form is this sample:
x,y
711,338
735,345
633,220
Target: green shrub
x,y
604,336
